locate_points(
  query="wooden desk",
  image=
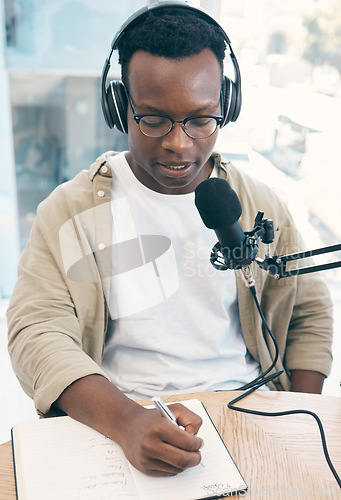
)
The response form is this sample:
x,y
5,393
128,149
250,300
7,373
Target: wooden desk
x,y
279,457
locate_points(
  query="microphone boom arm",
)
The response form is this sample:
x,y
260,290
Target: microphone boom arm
x,y
277,264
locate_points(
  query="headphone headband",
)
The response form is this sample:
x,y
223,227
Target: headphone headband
x,y
159,6
113,98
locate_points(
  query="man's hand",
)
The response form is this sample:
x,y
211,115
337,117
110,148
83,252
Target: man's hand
x,y
156,446
152,443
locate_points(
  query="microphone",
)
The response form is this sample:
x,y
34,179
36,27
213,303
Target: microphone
x,y
220,209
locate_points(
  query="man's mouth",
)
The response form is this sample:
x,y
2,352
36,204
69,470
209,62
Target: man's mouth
x,y
171,170
175,167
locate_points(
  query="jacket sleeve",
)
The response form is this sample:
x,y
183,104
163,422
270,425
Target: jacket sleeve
x,y
309,342
52,320
299,308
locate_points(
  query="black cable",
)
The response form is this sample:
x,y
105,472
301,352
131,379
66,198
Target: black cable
x,y
262,380
262,375
289,412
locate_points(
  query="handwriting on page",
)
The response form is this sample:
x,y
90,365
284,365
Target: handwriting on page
x,y
89,465
219,489
113,476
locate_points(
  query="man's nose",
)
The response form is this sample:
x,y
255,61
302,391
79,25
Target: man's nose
x,y
177,140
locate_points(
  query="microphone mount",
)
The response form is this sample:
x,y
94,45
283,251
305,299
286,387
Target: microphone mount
x,y
223,258
263,229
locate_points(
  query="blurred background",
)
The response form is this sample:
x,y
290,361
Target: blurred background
x,y
51,124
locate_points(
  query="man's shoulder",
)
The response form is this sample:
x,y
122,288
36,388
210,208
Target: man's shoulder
x,y
68,193
76,195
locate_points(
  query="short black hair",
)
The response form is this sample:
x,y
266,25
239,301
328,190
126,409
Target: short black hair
x,y
171,33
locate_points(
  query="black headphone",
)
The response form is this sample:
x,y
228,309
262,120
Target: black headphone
x,y
114,98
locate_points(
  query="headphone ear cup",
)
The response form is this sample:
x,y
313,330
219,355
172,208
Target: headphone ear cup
x,y
117,103
231,101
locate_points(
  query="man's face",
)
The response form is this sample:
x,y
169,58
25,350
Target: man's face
x,y
174,163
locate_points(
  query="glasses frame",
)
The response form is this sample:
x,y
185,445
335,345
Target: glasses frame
x,y
138,117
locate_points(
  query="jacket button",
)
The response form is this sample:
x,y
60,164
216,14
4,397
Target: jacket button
x,y
104,169
101,246
101,193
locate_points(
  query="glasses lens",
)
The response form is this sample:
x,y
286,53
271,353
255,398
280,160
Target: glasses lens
x,y
201,127
155,126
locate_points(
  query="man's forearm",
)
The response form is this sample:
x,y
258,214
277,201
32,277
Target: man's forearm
x,y
150,442
307,381
95,401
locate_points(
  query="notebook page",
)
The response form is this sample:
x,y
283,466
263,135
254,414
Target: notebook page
x,y
62,459
218,476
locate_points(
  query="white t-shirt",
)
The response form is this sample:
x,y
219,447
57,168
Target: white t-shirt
x,y
174,324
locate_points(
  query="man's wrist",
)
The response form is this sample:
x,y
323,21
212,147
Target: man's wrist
x,y
96,402
307,381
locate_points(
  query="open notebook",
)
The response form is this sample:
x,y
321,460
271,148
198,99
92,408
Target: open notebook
x,y
62,459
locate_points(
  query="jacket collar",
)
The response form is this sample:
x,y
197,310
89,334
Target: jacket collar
x,y
100,161
221,164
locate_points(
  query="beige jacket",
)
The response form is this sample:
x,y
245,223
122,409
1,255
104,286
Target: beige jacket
x,y
58,314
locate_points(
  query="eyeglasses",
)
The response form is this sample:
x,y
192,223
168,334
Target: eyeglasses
x,y
196,127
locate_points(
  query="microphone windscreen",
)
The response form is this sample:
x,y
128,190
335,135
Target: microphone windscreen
x,y
218,204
